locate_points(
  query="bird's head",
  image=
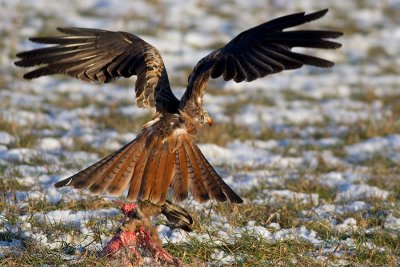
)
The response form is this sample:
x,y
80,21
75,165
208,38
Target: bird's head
x,y
205,118
195,115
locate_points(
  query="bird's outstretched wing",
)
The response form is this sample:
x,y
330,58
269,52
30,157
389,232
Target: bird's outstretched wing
x,y
262,50
100,55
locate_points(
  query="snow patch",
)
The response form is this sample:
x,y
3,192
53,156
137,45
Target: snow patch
x,y
49,143
373,146
354,192
278,195
6,138
392,223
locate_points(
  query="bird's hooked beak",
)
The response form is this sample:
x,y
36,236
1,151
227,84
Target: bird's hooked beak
x,y
209,121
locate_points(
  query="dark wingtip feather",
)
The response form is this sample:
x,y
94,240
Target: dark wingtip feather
x,y
331,34
18,63
235,199
334,45
32,39
335,34
39,40
29,76
292,20
80,31
68,30
20,55
322,64
61,29
239,201
316,15
38,73
329,64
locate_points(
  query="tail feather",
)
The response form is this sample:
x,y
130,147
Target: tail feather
x,y
84,178
166,176
210,179
134,185
109,177
196,183
102,172
153,145
155,169
180,180
124,176
149,165
218,182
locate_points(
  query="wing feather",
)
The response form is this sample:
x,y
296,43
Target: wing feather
x,y
100,55
218,69
262,50
230,66
240,73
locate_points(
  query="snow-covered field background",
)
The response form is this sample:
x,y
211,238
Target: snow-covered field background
x,y
314,153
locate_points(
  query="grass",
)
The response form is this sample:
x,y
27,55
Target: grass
x,y
284,213
223,133
42,205
363,253
113,119
33,254
311,186
247,250
24,139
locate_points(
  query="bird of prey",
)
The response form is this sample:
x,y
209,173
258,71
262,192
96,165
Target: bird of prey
x,y
164,154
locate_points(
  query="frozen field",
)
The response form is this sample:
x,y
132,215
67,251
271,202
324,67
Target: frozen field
x,y
314,153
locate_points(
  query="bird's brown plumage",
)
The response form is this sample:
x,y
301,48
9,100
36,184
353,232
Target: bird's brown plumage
x,y
164,155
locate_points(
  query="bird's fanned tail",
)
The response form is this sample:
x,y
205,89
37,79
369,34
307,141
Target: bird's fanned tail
x,y
148,167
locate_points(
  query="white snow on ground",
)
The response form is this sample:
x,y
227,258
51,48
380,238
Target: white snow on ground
x,y
278,195
302,117
385,146
353,192
328,211
6,138
347,224
72,217
392,223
